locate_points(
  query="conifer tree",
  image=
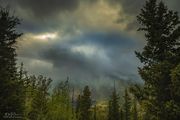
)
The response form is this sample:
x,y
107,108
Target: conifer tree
x,y
78,103
127,106
175,78
85,104
173,106
39,105
121,114
114,113
11,92
95,112
159,56
134,111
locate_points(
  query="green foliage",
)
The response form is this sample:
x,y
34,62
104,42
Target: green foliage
x,y
11,88
114,113
39,103
127,105
95,112
162,31
78,103
175,80
173,106
121,115
160,56
101,111
138,92
85,104
59,104
134,112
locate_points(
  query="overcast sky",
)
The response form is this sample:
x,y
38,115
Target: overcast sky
x,y
91,41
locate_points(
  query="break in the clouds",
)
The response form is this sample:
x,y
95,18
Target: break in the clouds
x,y
92,41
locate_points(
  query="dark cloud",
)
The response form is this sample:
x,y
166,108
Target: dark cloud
x,y
44,15
129,6
47,8
117,52
89,58
90,55
108,39
64,58
134,25
119,64
133,7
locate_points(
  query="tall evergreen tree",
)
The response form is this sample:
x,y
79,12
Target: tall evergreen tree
x,y
114,113
73,104
134,112
95,112
127,106
85,104
162,31
11,92
78,103
159,56
121,114
39,105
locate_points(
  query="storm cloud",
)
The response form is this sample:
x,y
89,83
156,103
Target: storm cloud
x,y
96,53
46,8
128,6
133,7
91,41
93,58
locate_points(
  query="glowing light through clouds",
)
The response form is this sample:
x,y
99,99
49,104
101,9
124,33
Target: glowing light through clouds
x,y
46,36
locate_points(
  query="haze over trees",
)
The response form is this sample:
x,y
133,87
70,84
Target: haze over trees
x,y
29,97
